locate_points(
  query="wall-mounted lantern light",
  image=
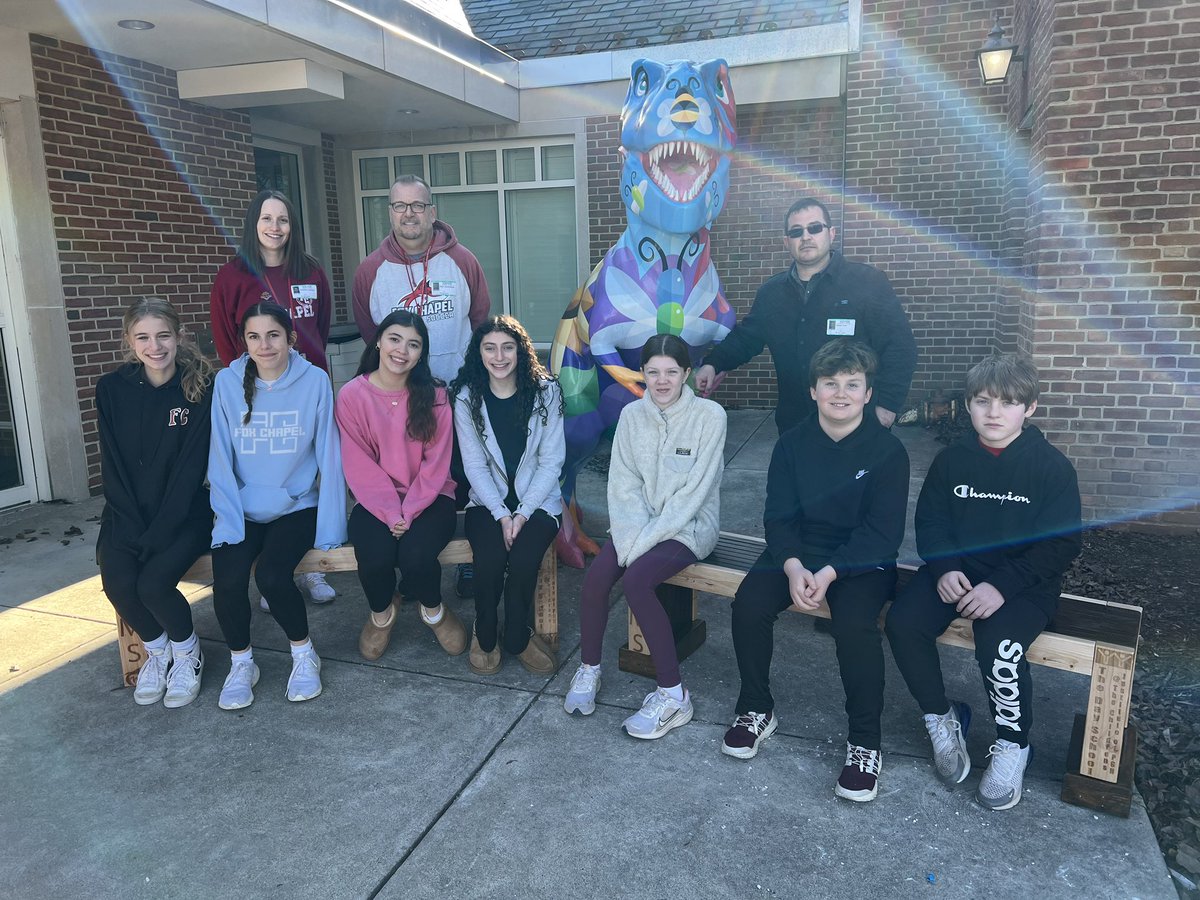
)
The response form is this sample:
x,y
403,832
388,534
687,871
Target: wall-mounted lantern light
x,y
996,55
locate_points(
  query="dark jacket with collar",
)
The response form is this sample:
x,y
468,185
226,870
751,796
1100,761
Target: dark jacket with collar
x,y
794,319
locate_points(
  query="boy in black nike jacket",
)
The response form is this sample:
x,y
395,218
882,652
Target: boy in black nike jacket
x,y
998,523
837,492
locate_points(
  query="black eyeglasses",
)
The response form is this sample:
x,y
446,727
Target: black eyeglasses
x,y
797,231
418,207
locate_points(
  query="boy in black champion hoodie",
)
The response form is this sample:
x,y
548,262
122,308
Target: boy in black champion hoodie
x,y
837,492
998,523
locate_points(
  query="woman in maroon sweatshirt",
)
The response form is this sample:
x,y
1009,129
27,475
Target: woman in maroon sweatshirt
x,y
271,265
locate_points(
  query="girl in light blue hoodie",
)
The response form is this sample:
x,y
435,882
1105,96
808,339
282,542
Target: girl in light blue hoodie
x,y
275,470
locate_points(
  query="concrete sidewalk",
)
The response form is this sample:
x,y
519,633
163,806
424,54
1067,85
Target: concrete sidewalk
x,y
411,777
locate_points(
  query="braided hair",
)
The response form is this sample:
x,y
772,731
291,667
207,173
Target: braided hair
x,y
280,315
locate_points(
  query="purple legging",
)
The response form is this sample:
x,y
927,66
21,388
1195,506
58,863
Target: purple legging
x,y
641,577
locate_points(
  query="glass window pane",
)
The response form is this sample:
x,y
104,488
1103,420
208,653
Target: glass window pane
x,y
409,165
558,162
373,173
475,218
443,169
518,164
375,222
276,170
542,272
481,167
10,455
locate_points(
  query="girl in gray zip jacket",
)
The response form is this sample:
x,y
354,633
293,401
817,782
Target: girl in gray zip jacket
x,y
508,419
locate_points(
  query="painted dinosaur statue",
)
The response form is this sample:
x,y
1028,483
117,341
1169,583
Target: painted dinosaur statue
x,y
678,130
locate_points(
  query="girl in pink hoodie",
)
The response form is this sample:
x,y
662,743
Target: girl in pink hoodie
x,y
397,434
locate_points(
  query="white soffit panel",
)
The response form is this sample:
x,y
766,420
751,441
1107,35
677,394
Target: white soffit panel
x,y
261,84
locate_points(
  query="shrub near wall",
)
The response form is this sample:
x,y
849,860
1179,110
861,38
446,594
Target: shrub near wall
x,y
147,193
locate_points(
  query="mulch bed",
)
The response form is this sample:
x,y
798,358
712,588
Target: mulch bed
x,y
1160,573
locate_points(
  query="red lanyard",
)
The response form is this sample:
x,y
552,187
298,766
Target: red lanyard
x,y
419,302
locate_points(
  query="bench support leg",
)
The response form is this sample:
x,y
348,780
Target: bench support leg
x,y
690,631
1103,744
545,600
133,654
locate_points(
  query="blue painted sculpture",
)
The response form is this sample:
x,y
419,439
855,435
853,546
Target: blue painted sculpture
x,y
678,130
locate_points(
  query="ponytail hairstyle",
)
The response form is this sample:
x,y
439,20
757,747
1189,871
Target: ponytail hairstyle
x,y
280,315
296,262
422,426
530,374
195,372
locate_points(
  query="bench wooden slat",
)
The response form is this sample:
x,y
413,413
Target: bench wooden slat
x,y
1091,637
722,571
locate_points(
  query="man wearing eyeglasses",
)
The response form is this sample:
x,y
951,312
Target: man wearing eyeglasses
x,y
822,296
421,267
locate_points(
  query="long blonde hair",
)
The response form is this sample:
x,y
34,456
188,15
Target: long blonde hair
x,y
195,372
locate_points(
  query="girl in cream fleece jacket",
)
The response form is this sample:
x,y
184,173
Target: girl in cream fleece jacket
x,y
664,482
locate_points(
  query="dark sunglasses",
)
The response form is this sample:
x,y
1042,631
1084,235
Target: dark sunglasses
x,y
811,228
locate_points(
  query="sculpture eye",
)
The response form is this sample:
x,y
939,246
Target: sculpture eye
x,y
641,83
721,89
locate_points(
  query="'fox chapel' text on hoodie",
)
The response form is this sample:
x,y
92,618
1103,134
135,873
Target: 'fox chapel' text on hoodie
x,y
269,466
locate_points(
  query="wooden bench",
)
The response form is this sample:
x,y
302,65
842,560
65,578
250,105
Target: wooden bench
x,y
1090,637
545,597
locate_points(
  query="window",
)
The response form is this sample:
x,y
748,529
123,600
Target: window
x,y
512,204
278,170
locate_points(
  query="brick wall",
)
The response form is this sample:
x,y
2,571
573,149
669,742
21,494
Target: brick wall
x,y
785,151
148,194
337,266
1115,319
925,171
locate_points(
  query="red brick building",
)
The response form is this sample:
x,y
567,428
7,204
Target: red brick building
x,y
1055,214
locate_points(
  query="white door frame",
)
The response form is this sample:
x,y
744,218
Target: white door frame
x,y
14,321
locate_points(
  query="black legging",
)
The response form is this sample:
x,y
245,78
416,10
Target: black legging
x,y
145,593
278,547
1001,640
522,564
379,553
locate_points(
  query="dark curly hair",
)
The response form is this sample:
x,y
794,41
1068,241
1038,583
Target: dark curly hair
x,y
422,386
530,373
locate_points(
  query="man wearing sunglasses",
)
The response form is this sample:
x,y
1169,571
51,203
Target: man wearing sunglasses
x,y
421,267
822,296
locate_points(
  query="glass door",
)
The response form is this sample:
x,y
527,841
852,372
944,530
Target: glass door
x,y
17,484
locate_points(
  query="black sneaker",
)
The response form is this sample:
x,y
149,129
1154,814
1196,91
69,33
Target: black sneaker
x,y
464,585
859,780
748,731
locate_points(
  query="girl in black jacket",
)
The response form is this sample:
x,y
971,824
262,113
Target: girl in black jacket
x,y
154,428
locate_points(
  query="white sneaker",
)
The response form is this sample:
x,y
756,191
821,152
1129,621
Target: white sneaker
x,y
238,690
585,684
660,713
1002,783
152,679
183,681
305,681
314,584
949,736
